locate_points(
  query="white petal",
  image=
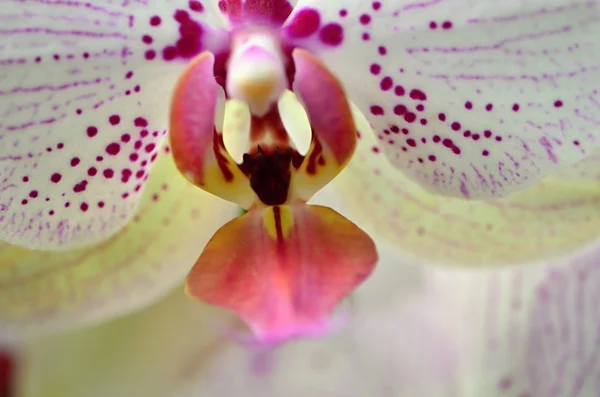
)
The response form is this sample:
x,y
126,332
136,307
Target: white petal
x,y
470,98
84,91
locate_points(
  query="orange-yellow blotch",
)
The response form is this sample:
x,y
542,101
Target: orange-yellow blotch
x,y
283,269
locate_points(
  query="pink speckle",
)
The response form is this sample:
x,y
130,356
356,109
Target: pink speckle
x,y
140,122
75,161
399,90
305,23
332,34
432,25
84,207
33,194
125,138
558,103
515,107
375,69
411,142
418,95
150,147
114,119
455,126
485,153
196,6
376,5
25,179
129,75
91,131
487,133
150,55
442,117
505,383
447,25
386,83
155,20
468,105
55,178
100,204
92,171
489,107
147,39
343,13
366,36
399,110
365,19
432,158
113,148
382,50
108,173
377,110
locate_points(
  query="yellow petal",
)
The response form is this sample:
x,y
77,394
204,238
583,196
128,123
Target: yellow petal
x,y
553,218
55,290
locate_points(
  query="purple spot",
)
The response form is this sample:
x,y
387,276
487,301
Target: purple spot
x,y
113,148
108,173
377,110
418,95
332,34
196,6
386,83
140,122
92,131
55,178
155,20
114,119
305,23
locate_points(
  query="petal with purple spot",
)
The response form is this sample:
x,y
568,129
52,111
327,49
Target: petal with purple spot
x,y
83,99
470,98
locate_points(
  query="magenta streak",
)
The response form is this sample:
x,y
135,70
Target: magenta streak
x,y
62,33
495,46
77,4
47,87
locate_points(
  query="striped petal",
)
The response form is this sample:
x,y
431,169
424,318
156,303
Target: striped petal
x,y
44,291
84,90
469,98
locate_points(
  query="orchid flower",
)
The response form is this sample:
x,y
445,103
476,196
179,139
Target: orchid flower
x,y
421,105
415,330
